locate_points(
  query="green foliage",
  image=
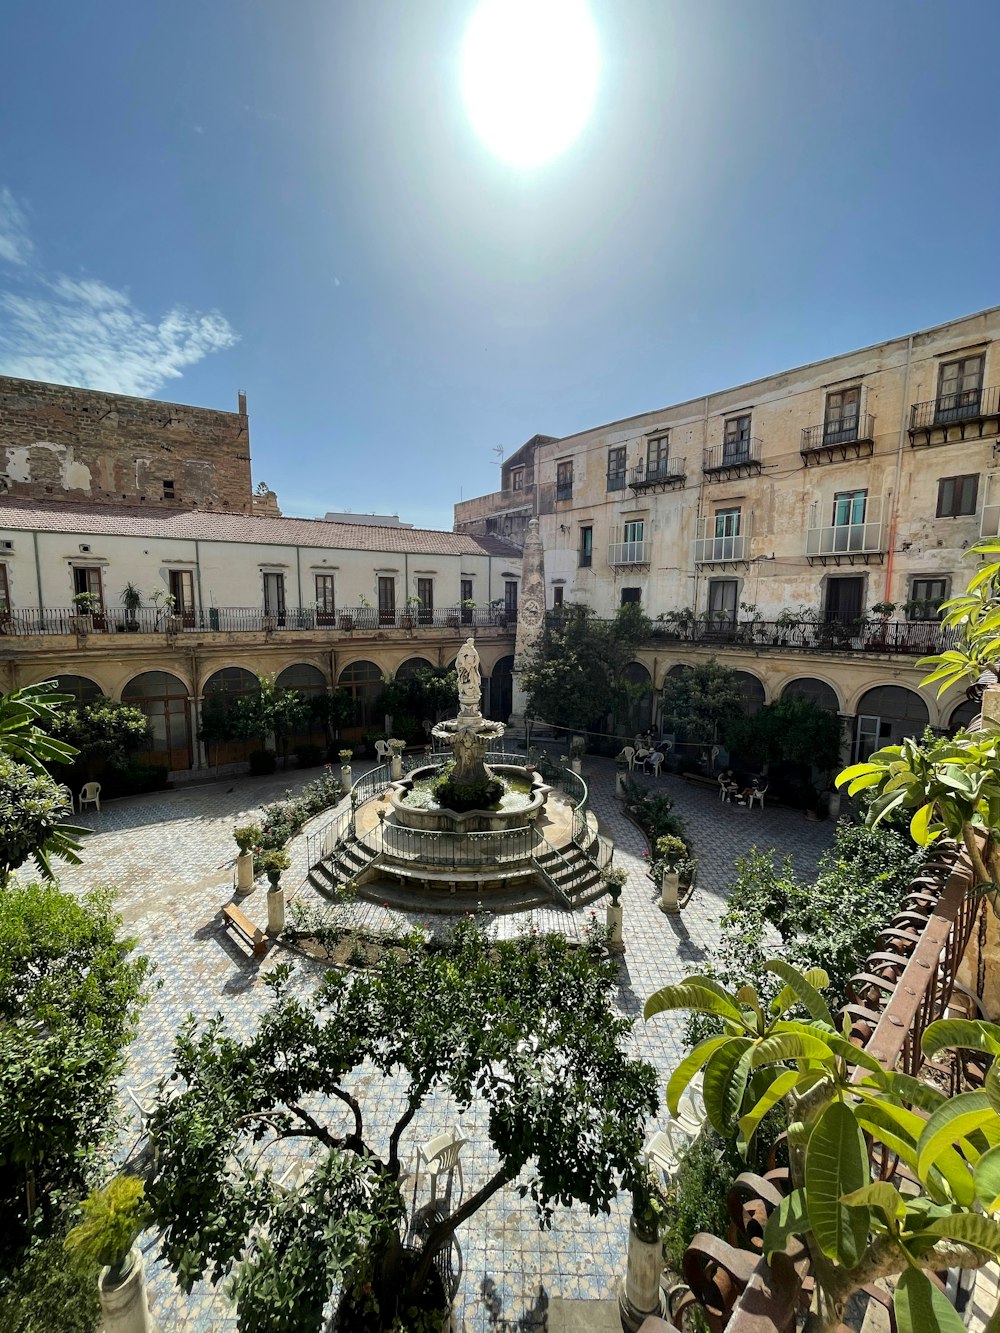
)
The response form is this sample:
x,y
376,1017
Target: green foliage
x,y
576,678
28,718
702,703
792,730
333,710
652,812
696,1196
32,808
426,693
272,862
281,820
257,715
454,795
45,1291
836,1094
525,1026
113,1218
71,989
247,837
102,731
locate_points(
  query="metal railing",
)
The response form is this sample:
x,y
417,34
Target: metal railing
x,y
248,619
324,841
948,408
845,539
370,784
845,430
616,479
720,550
667,469
733,453
453,851
564,490
628,553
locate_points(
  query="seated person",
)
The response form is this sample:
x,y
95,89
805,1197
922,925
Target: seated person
x,y
655,759
728,783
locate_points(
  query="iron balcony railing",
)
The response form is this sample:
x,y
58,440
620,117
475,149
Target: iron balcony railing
x,y
966,405
733,454
249,619
665,470
843,430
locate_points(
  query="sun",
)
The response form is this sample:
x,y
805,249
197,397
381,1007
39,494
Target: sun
x,y
529,76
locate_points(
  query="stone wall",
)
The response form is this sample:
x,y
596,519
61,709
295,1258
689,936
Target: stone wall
x,y
61,443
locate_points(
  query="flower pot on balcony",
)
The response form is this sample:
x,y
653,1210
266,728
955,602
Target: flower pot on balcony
x,y
244,872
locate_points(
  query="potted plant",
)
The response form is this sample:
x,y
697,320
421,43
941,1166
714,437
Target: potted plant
x,y
247,837
577,749
615,879
788,620
396,748
498,610
165,603
345,757
640,1297
879,631
413,605
85,604
272,862
131,600
671,856
113,1219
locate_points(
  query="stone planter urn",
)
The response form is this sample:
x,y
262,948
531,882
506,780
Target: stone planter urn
x,y
639,1291
123,1304
669,890
346,781
396,767
613,921
275,910
244,872
576,765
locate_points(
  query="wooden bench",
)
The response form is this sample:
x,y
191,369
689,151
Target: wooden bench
x,y
254,936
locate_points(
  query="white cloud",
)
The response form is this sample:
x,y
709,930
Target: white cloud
x,y
15,242
81,331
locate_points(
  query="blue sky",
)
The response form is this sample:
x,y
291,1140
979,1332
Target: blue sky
x,y
287,198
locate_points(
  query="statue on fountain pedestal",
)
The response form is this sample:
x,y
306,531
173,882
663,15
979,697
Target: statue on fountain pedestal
x,y
470,684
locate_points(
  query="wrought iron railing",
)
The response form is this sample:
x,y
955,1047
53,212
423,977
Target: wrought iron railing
x,y
733,454
452,851
666,470
845,430
248,619
948,408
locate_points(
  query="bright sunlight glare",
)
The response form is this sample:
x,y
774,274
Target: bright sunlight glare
x,y
529,75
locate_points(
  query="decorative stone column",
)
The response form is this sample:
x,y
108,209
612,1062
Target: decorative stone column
x,y
346,780
123,1304
530,615
639,1292
669,883
396,767
244,872
613,921
275,911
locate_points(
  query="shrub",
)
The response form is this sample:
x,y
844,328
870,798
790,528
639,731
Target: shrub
x,y
271,863
247,837
32,808
310,755
113,1218
48,1291
133,779
262,762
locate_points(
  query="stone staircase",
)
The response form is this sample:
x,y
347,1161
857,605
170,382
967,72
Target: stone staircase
x,y
350,861
573,872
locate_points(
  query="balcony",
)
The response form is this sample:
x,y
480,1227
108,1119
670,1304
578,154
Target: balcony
x,y
252,620
665,475
722,550
845,543
616,480
970,414
733,458
837,441
629,553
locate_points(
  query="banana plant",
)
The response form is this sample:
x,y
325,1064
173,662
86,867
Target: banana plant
x,y
837,1099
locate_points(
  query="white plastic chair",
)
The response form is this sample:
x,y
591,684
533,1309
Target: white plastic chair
x,y
757,794
666,1148
629,753
691,1113
382,751
441,1155
655,761
725,790
90,795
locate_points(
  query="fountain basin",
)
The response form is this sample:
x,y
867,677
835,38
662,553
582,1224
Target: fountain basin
x,y
439,820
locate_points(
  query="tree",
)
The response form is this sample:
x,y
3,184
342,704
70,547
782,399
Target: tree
x,y
427,693
836,1095
333,710
795,730
103,731
27,719
576,679
702,702
71,989
32,808
525,1026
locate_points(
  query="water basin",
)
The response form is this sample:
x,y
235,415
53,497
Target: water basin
x,y
517,794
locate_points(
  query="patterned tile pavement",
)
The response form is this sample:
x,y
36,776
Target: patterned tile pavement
x,y
170,854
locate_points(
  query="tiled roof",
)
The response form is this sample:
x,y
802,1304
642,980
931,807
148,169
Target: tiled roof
x,y
134,521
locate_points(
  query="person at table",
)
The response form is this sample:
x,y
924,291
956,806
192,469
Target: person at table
x,y
728,783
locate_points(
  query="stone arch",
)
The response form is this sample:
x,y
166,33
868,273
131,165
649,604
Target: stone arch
x,y
411,666
164,699
963,714
819,691
363,682
220,691
500,703
640,714
753,691
886,715
309,681
82,688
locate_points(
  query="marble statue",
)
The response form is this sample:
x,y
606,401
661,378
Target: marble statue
x,y
470,685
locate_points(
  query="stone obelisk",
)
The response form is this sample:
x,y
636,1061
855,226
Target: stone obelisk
x,y
530,615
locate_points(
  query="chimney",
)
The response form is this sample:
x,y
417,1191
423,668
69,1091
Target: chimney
x,y
241,403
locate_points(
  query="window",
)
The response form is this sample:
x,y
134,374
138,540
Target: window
x,y
616,468
517,479
960,386
182,591
727,522
564,480
631,596
841,420
425,611
386,599
557,595
722,601
633,530
657,451
87,578
926,596
325,605
957,496
844,600
465,598
510,597
274,596
168,491
4,592
736,440
586,547
849,508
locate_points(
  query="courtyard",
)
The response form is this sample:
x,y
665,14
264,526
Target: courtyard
x,y
171,857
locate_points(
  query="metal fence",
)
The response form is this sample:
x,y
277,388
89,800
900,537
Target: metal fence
x,y
453,851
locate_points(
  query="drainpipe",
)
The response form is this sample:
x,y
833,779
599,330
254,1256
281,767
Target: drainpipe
x,y
904,408
38,572
298,574
701,496
197,575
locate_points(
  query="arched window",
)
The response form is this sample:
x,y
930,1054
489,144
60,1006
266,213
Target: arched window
x,y
411,666
164,700
640,709
363,681
886,715
807,687
501,682
966,713
310,682
83,690
221,691
752,691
